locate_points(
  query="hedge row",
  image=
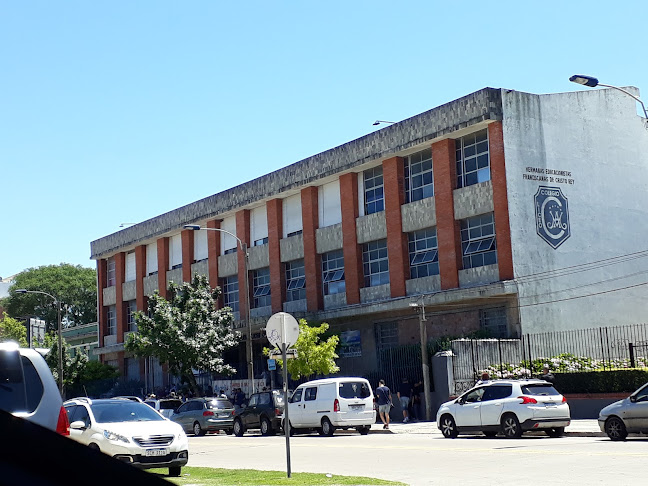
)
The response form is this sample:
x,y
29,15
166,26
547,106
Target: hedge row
x,y
617,381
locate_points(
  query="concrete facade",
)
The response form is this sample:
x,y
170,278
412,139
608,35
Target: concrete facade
x,y
591,145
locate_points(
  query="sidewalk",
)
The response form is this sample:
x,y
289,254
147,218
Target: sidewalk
x,y
577,428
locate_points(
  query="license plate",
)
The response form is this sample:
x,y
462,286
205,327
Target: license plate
x,y
155,452
551,405
356,407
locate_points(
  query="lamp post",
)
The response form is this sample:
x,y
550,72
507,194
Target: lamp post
x,y
244,249
378,122
593,82
424,358
58,318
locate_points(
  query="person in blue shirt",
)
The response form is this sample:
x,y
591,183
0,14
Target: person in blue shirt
x,y
383,399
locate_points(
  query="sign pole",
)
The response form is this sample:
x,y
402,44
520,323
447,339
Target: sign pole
x,y
286,419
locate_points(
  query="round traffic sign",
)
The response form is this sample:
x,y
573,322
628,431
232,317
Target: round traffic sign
x,y
282,328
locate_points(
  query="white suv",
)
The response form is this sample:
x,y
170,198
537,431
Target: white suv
x,y
28,389
509,407
129,431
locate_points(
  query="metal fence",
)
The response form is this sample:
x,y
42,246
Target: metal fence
x,y
603,348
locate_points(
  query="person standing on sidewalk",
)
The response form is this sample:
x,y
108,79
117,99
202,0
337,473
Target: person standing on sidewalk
x,y
383,399
404,394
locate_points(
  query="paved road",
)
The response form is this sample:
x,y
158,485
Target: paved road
x,y
428,458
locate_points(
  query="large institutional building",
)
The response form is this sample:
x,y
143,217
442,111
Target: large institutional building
x,y
501,211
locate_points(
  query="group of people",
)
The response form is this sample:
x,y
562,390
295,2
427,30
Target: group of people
x,y
409,397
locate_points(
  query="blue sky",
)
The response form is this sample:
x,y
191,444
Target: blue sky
x,y
115,112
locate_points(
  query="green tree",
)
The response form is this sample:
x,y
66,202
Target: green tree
x,y
74,285
72,366
187,332
95,379
313,354
13,330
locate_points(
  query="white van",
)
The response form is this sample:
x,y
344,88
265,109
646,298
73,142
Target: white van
x,y
332,403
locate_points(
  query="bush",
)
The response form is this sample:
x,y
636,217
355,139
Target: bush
x,y
615,381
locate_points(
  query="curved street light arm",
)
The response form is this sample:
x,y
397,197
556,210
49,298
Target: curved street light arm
x,y
636,98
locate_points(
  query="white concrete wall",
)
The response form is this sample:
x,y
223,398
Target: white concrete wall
x,y
598,138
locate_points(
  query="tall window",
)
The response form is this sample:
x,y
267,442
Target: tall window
x,y
295,281
478,241
111,278
230,290
111,320
333,272
494,321
473,160
375,263
386,335
261,287
423,253
374,196
131,308
419,180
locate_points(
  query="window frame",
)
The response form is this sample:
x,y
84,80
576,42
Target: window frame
x,y
478,241
373,190
333,276
468,149
228,292
111,272
375,257
131,309
423,245
111,320
415,167
261,291
295,280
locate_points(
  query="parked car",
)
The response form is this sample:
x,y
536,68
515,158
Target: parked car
x,y
627,416
509,407
28,388
165,406
207,414
264,411
332,403
129,431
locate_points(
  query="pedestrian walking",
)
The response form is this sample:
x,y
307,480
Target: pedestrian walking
x,y
383,399
547,375
404,393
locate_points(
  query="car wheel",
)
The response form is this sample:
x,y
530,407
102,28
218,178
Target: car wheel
x,y
511,427
266,426
174,471
327,427
228,431
363,430
94,447
238,428
448,427
490,433
198,430
615,429
555,431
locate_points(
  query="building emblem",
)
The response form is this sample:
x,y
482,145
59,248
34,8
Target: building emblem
x,y
552,215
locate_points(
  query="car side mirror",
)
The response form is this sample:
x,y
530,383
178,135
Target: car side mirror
x,y
633,399
78,424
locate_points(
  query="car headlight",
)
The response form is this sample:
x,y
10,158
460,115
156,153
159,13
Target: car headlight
x,y
115,437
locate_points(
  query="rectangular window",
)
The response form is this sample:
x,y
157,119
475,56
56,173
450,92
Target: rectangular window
x,y
228,242
419,179
478,244
111,276
292,215
130,266
111,320
473,159
386,336
200,246
230,288
261,288
333,272
261,241
374,196
175,252
329,205
295,281
375,263
151,259
259,225
494,322
423,253
294,233
131,308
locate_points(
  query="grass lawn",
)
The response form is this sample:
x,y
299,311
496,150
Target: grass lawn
x,y
205,476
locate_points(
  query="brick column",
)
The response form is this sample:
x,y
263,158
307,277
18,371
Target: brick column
x,y
213,252
274,208
163,264
353,273
448,230
140,273
312,259
101,312
120,277
397,250
187,237
500,201
243,232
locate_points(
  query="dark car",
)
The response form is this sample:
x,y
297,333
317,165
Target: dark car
x,y
264,411
207,414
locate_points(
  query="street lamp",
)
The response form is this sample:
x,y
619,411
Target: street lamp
x,y
58,316
593,82
424,358
244,249
378,122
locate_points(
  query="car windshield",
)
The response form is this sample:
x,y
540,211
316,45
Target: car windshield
x,y
354,389
539,389
219,404
126,411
